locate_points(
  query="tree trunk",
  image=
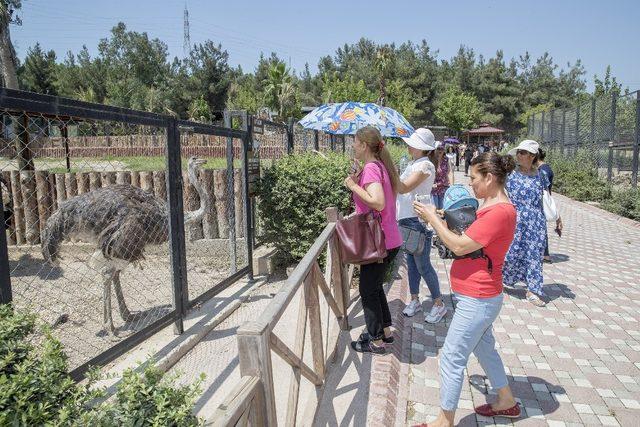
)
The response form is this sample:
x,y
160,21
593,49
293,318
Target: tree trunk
x,y
7,57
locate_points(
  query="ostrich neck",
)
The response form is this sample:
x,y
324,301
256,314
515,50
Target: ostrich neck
x,y
197,215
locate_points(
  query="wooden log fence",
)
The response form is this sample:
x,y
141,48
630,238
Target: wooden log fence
x,y
35,195
254,395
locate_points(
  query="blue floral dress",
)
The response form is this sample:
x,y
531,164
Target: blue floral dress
x,y
523,262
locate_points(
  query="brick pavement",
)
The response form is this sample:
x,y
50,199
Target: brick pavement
x,y
574,362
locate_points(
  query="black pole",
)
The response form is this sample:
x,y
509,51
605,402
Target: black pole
x,y
316,140
636,146
290,135
577,140
247,145
65,140
614,105
177,247
6,296
231,207
542,128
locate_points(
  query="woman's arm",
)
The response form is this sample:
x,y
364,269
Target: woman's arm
x,y
372,195
412,181
459,244
451,178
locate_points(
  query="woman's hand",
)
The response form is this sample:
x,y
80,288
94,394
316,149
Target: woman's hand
x,y
350,182
559,224
426,212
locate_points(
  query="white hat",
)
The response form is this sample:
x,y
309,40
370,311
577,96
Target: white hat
x,y
422,139
527,145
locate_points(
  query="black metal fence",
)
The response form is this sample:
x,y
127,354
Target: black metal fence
x,y
102,202
607,127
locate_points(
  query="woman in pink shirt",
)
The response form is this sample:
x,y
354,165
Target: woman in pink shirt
x,y
374,187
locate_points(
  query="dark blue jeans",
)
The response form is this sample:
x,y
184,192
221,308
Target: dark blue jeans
x,y
419,265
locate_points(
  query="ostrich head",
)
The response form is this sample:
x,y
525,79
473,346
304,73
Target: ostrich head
x,y
193,171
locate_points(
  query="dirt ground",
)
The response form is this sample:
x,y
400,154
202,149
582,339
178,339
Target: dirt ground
x,y
69,297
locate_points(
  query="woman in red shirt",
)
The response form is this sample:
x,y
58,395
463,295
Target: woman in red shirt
x,y
477,288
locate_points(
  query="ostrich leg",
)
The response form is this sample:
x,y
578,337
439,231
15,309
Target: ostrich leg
x,y
122,305
106,297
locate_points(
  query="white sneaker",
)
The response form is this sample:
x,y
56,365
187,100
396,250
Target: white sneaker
x,y
412,308
436,314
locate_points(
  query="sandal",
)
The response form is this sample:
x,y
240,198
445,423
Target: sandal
x,y
535,300
488,411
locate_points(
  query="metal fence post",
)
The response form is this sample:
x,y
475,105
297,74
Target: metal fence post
x,y
593,121
177,247
6,296
290,135
636,145
542,129
562,137
614,105
247,145
316,140
551,129
231,211
577,139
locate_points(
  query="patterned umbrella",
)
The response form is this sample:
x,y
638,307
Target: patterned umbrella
x,y
451,140
346,118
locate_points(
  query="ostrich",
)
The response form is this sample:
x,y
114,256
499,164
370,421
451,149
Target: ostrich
x,y
121,220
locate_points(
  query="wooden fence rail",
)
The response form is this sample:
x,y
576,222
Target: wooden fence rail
x,y
35,195
256,339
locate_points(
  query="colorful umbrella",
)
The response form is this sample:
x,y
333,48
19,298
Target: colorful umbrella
x,y
347,117
451,140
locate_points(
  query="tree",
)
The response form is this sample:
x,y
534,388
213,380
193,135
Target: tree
x,y
606,86
336,90
279,90
209,74
384,63
38,73
199,110
8,59
458,110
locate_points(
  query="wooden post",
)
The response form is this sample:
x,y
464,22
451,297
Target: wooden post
x,y
18,209
61,191
124,177
237,197
95,181
336,270
44,197
298,349
51,181
220,192
108,178
254,353
160,185
83,181
146,181
70,184
30,203
209,222
135,178
312,301
191,203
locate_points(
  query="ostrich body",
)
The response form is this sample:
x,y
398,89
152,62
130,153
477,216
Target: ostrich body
x,y
122,220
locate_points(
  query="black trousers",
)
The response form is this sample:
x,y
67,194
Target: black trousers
x,y
467,163
374,301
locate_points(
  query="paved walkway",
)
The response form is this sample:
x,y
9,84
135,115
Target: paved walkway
x,y
574,362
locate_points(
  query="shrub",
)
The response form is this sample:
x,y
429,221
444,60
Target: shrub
x,y
625,203
294,194
35,387
577,177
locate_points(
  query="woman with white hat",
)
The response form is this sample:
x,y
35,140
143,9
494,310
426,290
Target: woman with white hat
x,y
417,180
523,262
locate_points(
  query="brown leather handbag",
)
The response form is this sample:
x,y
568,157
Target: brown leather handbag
x,y
361,237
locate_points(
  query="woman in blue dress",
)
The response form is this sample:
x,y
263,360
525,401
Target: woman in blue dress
x,y
523,262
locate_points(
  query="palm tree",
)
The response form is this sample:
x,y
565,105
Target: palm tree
x,y
383,63
279,91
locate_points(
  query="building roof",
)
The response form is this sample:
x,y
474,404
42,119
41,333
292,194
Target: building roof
x,y
484,129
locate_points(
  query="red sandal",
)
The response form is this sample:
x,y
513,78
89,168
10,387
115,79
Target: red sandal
x,y
488,411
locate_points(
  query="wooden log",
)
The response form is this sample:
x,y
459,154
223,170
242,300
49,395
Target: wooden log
x,y
18,209
52,191
146,181
61,191
191,202
71,184
135,178
210,221
123,177
292,359
44,197
84,182
7,199
108,178
220,193
160,185
30,204
238,402
95,180
239,202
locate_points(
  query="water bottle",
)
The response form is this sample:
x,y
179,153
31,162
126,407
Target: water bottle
x,y
403,163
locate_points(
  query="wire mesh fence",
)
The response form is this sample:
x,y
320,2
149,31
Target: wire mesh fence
x,y
99,227
607,128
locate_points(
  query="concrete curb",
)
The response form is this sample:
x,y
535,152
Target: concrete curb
x,y
198,331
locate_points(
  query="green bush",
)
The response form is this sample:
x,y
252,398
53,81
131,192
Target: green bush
x,y
577,177
294,194
625,203
35,387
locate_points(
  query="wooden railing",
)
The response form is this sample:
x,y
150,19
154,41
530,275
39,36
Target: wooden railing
x,y
253,401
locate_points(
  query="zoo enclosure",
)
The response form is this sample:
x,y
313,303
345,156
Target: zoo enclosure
x,y
607,127
192,263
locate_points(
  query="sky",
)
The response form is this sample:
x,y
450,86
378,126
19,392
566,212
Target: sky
x,y
600,33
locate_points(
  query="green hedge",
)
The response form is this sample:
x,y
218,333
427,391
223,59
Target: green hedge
x,y
293,196
35,387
